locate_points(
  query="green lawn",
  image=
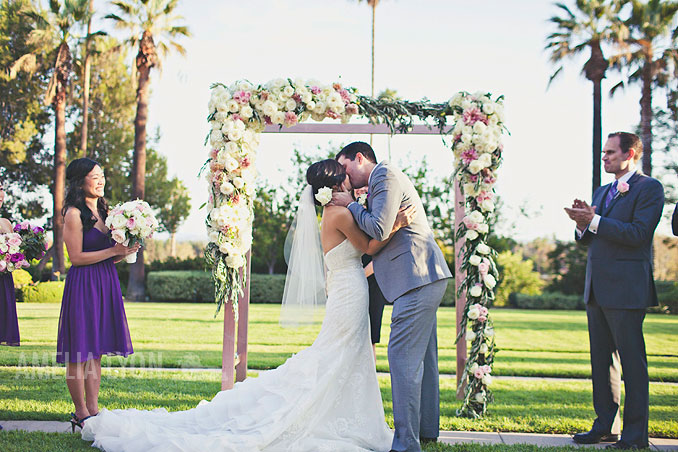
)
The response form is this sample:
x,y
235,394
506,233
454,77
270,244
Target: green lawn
x,y
521,405
60,442
531,343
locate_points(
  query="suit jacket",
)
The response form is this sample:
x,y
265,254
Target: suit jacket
x,y
412,258
674,221
619,263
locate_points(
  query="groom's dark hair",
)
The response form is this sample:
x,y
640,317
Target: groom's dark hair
x,y
350,150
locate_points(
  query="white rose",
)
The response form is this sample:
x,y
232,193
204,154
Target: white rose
x,y
290,105
473,311
235,134
474,260
226,188
278,117
488,107
483,228
235,261
489,332
479,127
146,232
487,205
483,349
324,195
288,91
475,292
483,249
310,105
487,379
476,217
480,397
213,236
489,281
246,111
474,367
238,182
231,164
470,189
232,106
470,335
485,160
118,235
475,166
269,108
118,222
471,235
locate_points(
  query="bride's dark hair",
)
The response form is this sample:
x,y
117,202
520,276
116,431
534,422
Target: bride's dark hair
x,y
76,173
325,173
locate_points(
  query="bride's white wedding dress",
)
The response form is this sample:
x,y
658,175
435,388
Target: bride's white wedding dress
x,y
324,398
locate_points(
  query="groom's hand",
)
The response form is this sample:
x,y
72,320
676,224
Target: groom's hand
x,y
341,198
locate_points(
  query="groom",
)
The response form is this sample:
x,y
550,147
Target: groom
x,y
412,274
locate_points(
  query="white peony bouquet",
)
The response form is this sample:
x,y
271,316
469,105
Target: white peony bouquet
x,y
131,223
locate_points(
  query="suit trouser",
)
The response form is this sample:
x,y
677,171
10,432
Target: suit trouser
x,y
413,361
616,335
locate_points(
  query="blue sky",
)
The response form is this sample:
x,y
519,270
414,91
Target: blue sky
x,y
426,49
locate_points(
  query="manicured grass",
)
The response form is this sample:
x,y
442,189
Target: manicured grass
x,y
531,343
59,442
538,406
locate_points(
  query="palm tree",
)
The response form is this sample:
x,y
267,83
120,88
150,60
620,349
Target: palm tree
x,y
86,80
590,26
54,30
647,54
144,21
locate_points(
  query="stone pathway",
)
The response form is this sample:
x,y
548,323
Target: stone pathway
x,y
542,440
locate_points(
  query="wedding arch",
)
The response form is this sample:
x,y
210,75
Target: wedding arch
x,y
239,113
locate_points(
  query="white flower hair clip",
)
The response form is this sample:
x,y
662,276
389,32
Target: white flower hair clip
x,y
324,195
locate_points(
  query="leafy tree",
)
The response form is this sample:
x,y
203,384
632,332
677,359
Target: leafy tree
x,y
272,222
174,212
568,265
144,21
646,57
54,33
587,27
24,161
517,275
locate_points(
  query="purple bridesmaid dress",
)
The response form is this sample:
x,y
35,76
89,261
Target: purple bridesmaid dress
x,y
92,321
9,325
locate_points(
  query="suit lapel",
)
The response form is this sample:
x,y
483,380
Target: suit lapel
x,y
599,207
614,200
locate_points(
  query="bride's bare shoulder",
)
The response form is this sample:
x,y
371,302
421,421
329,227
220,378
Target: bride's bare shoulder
x,y
336,213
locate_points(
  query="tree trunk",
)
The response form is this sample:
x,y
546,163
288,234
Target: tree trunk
x,y
173,244
646,114
271,267
85,86
374,11
145,61
62,74
597,134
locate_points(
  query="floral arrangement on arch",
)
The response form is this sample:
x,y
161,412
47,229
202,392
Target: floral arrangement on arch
x,y
237,114
479,124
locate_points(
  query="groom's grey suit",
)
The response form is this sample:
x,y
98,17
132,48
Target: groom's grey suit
x,y
412,273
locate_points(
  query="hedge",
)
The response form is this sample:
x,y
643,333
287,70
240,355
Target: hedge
x,y
44,292
196,286
667,292
547,300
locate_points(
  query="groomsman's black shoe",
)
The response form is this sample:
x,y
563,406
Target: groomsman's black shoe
x,y
593,437
622,445
423,440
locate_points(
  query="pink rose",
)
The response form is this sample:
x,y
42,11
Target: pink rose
x,y
473,115
478,373
316,90
484,267
3,265
131,223
291,118
482,318
242,97
213,153
622,187
332,114
118,235
352,109
486,369
236,116
14,241
469,155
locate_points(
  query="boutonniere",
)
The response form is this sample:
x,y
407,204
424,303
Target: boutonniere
x,y
623,188
362,199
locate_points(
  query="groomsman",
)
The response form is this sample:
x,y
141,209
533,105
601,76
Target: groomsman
x,y
674,221
618,229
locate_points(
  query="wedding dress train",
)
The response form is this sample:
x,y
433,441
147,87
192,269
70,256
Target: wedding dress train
x,y
324,398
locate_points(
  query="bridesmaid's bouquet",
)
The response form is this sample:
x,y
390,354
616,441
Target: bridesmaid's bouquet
x,y
33,241
11,257
131,223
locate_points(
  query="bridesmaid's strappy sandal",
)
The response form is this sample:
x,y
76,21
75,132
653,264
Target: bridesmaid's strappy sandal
x,y
75,422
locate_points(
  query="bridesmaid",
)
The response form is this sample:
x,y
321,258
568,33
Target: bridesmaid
x,y
92,321
9,325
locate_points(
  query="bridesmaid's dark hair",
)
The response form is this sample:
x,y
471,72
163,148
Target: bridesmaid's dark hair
x,y
76,173
325,173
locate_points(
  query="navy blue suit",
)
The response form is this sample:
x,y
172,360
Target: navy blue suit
x,y
619,287
674,221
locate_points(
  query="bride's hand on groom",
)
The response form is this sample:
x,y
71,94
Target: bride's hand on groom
x,y
404,217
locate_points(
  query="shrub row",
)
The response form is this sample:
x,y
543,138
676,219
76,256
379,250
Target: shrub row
x,y
44,292
547,300
197,286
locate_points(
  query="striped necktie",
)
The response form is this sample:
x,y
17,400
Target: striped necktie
x,y
611,194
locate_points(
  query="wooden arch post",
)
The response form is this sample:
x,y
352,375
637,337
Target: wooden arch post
x,y
234,354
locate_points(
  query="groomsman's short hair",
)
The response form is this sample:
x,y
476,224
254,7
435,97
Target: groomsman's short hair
x,y
350,150
628,140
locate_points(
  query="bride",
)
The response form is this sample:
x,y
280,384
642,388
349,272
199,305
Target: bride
x,y
324,398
